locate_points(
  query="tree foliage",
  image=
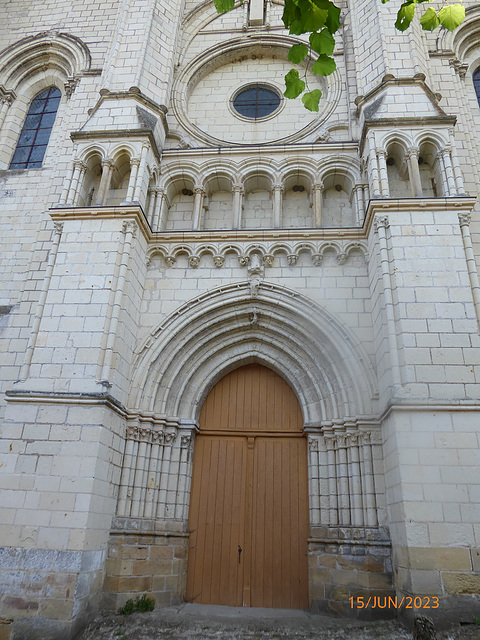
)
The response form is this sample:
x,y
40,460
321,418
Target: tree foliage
x,y
321,20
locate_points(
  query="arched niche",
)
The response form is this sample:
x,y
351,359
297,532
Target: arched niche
x,y
397,170
258,203
218,206
297,204
180,203
338,206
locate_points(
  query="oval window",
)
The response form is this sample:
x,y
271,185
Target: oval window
x,y
256,102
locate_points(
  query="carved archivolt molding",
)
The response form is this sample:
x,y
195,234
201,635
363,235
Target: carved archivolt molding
x,y
248,252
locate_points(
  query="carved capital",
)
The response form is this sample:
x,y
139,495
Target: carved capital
x,y
58,227
365,437
108,163
186,441
277,186
318,186
412,152
132,432
238,188
218,261
317,259
198,190
170,260
292,259
313,444
464,219
130,226
268,259
157,437
144,434
194,261
243,260
381,222
341,258
169,438
135,162
70,85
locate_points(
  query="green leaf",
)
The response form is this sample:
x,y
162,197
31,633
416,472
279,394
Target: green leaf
x,y
294,86
405,16
384,1
224,5
452,16
290,13
311,99
323,42
297,53
429,20
308,17
324,66
333,21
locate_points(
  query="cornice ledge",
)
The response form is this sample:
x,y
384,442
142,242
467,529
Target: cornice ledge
x,y
391,205
127,212
66,397
117,133
134,92
390,80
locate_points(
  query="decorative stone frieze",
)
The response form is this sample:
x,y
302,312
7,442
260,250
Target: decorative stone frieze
x,y
198,252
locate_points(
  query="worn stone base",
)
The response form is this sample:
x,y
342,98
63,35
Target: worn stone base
x,y
49,590
145,558
348,568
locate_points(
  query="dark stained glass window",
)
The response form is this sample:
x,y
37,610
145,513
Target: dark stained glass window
x,y
476,83
37,127
256,102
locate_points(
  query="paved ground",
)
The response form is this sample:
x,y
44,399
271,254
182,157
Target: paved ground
x,y
195,622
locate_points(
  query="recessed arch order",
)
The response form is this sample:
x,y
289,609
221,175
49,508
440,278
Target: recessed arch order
x,y
227,327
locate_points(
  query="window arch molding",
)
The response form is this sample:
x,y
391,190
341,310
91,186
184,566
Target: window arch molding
x,y
30,66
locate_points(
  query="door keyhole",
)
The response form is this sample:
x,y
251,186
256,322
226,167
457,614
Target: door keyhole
x,y
239,553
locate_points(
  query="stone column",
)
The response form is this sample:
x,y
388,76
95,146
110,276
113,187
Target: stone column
x,y
369,486
67,183
356,486
25,370
359,203
332,478
317,202
414,173
78,170
134,164
457,172
277,189
238,194
342,473
159,216
447,163
5,101
373,167
129,229
153,191
464,220
199,195
107,170
141,173
382,168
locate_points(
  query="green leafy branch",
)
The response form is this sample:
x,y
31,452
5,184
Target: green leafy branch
x,y
321,19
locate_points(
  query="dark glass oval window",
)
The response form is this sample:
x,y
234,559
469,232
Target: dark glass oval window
x,y
256,102
36,131
476,83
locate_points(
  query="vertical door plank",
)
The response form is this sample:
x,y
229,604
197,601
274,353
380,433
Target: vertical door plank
x,y
216,521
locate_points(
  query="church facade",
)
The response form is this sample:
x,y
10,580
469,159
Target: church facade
x,y
239,340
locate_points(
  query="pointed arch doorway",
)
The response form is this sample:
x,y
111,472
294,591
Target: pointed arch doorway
x,y
248,518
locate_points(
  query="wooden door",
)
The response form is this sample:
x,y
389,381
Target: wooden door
x,y
248,508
